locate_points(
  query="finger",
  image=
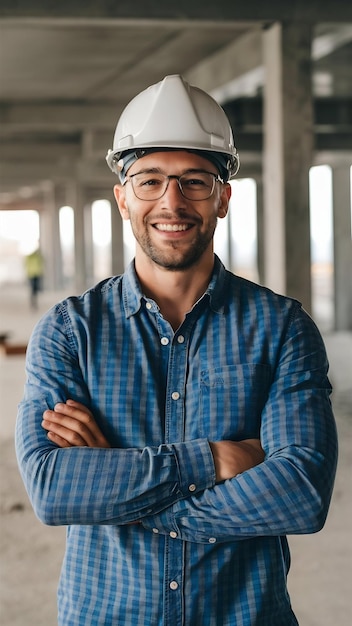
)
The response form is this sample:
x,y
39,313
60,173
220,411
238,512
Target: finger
x,y
59,441
80,412
86,423
76,420
69,429
81,423
76,410
67,434
78,405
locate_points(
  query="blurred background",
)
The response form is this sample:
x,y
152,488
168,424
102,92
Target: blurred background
x,y
282,72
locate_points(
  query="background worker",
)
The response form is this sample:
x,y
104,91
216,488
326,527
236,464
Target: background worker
x,y
34,264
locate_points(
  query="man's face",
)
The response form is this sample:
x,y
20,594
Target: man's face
x,y
173,232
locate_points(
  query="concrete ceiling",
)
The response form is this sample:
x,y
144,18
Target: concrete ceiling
x,y
67,70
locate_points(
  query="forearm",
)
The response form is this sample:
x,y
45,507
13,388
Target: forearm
x,y
82,485
290,492
287,494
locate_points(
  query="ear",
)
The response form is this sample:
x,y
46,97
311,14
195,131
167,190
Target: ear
x,y
120,197
224,199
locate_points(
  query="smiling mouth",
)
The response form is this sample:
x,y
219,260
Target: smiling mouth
x,y
173,227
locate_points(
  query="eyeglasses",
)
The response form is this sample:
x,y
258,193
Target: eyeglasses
x,y
194,185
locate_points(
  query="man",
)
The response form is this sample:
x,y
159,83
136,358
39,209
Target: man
x,y
177,417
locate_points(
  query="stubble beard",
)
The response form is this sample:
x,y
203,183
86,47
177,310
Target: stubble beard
x,y
175,259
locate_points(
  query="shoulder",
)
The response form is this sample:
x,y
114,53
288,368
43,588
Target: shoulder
x,y
101,294
74,313
271,313
249,294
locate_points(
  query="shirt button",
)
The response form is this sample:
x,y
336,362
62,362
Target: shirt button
x,y
148,306
173,585
212,540
173,535
175,395
180,339
155,530
164,341
192,487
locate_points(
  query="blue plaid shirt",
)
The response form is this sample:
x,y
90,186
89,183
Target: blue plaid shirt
x,y
245,363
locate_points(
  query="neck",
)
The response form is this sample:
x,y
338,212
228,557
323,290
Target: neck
x,y
175,292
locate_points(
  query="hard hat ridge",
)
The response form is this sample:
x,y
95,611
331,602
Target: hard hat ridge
x,y
173,114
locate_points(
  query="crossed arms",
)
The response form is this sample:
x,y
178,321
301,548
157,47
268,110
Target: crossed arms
x,y
71,424
225,488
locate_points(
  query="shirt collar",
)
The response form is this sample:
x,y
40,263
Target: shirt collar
x,y
217,287
216,290
131,291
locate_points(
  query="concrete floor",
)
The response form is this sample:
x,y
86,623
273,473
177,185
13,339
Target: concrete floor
x,y
31,554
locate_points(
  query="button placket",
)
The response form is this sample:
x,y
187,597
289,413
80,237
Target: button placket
x,y
174,431
174,576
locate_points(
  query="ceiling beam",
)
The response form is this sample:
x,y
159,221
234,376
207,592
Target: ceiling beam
x,y
60,117
272,10
58,167
338,35
226,80
19,120
220,69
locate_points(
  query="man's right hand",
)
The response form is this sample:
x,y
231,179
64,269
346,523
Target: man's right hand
x,y
234,457
72,424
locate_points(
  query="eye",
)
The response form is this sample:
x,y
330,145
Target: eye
x,y
148,181
195,181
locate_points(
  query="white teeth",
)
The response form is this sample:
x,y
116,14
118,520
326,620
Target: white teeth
x,y
172,227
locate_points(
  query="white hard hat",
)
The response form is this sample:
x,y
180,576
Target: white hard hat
x,y
173,114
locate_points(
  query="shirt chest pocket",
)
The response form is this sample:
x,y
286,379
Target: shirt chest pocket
x,y
232,399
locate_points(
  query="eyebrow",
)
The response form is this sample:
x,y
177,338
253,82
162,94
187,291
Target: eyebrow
x,y
157,170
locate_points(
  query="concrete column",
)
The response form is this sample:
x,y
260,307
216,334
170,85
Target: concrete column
x,y
75,199
288,149
50,236
342,247
260,230
117,260
88,244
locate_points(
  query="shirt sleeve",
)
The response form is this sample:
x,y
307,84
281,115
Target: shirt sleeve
x,y
84,485
290,492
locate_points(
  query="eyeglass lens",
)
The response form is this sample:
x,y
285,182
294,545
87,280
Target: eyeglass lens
x,y
193,185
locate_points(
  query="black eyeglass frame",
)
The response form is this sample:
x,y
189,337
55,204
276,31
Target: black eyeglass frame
x,y
216,179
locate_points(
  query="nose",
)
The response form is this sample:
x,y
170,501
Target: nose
x,y
173,195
